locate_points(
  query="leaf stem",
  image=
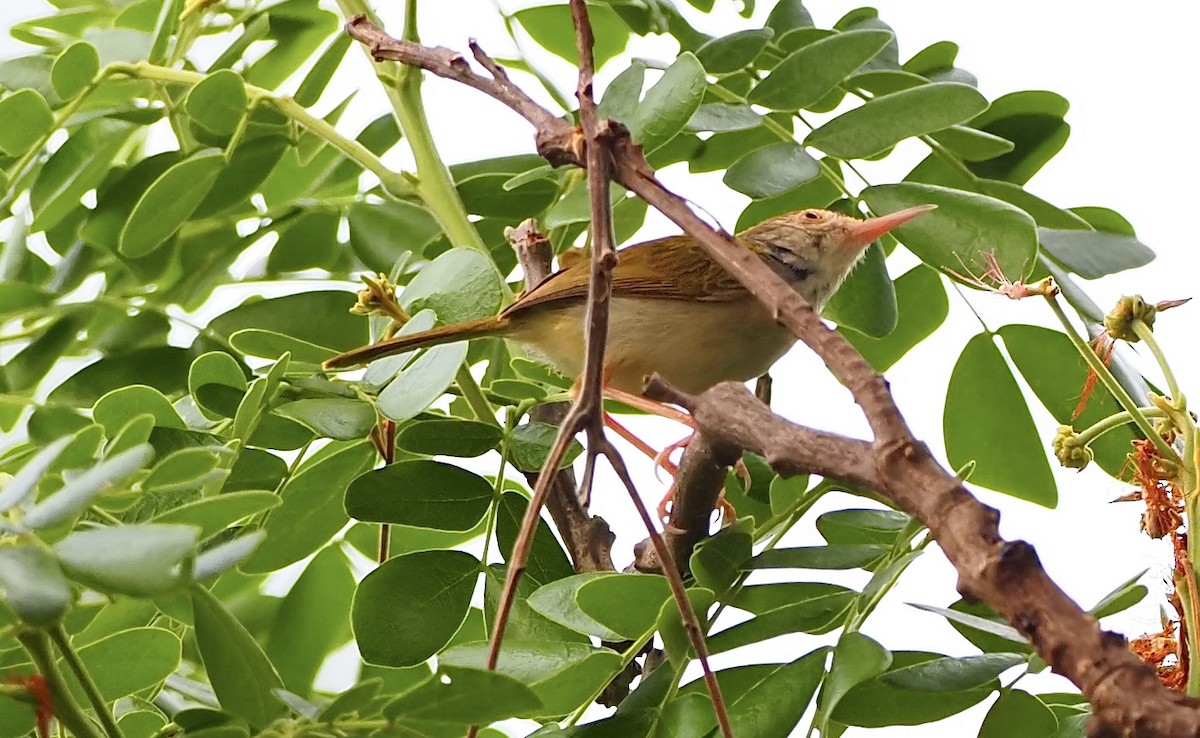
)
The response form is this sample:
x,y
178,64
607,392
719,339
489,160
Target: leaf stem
x,y
1143,332
1116,420
60,638
66,709
1110,383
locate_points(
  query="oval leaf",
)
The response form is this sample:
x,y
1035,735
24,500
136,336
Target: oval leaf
x,y
218,102
963,228
1005,449
772,170
169,202
422,494
136,560
815,70
436,588
887,120
669,104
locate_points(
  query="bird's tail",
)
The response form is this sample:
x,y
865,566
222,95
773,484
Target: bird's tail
x,y
491,326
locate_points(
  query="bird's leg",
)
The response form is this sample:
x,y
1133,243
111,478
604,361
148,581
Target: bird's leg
x,y
655,408
642,446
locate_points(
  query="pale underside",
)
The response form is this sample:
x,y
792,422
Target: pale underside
x,y
692,345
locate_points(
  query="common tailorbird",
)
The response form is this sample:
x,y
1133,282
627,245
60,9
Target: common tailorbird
x,y
674,310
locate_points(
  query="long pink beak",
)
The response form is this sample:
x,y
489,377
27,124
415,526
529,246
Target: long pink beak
x,y
866,231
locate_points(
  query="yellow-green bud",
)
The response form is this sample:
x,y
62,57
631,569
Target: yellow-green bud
x,y
1119,322
1069,450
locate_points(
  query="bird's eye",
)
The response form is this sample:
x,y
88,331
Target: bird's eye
x,y
811,215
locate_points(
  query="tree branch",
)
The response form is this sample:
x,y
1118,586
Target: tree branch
x,y
1125,696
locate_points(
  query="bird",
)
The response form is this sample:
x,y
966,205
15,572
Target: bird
x,y
674,311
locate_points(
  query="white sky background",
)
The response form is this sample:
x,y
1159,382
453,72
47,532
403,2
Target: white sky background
x,y
1126,70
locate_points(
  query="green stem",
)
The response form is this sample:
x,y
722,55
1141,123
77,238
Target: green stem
x,y
1116,420
1143,332
66,709
629,655
950,159
403,87
59,636
397,184
1110,382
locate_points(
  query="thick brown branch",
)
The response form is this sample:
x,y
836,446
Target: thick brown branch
x,y
1124,693
1125,697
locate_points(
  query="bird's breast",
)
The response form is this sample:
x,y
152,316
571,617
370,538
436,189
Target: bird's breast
x,y
693,345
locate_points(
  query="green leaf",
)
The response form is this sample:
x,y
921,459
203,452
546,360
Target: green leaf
x,y
214,514
381,233
22,485
1033,121
219,102
887,120
876,704
724,117
562,675
1018,713
856,659
731,53
319,317
718,561
78,493
137,560
557,601
921,305
436,587
321,73
547,560
272,345
953,674
812,72
772,170
1005,451
988,627
459,285
551,27
450,437
248,167
841,556
420,493
312,620
169,202
74,69
225,555
873,527
529,446
188,468
298,28
622,95
1123,597
866,301
26,118
118,407
767,700
425,380
626,603
972,144
77,166
340,418
240,673
1094,254
1057,373
669,104
130,661
33,585
963,228
461,697
311,512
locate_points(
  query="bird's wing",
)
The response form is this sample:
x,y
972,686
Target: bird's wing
x,y
671,268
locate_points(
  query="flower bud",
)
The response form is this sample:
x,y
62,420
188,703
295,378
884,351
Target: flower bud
x,y
1069,450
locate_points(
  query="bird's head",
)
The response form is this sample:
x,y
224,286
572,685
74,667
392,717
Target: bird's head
x,y
815,249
